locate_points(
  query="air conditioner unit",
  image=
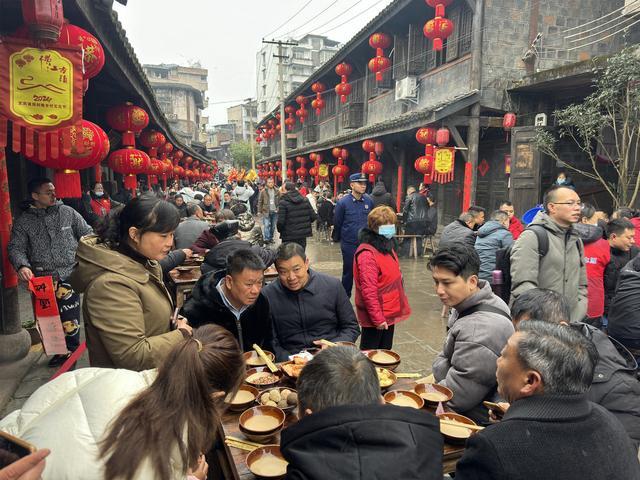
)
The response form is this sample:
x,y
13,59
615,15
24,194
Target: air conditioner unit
x,y
407,88
631,8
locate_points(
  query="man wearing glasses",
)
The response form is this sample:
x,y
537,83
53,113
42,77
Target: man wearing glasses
x,y
562,268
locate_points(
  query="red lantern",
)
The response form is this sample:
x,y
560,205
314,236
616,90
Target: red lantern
x,y
439,28
94,148
426,135
44,18
318,103
155,169
302,113
188,159
369,146
379,64
378,148
128,119
509,121
129,162
177,155
179,172
372,168
165,150
443,137
343,88
93,52
290,121
340,171
439,5
424,165
152,140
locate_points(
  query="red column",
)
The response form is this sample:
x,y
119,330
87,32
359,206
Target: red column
x,y
10,277
399,189
468,179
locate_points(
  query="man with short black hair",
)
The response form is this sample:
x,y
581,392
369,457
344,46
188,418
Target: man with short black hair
x,y
232,299
515,225
345,430
614,386
461,231
268,207
295,216
207,204
551,430
478,328
621,236
492,236
306,305
562,268
181,205
190,228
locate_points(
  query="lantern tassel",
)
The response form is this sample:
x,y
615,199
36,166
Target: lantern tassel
x,y
130,182
67,183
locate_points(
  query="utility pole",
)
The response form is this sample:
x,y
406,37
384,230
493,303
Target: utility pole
x,y
283,133
251,139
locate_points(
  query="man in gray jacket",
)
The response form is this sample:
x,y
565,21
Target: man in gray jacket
x,y
463,229
492,236
562,269
43,242
478,329
190,228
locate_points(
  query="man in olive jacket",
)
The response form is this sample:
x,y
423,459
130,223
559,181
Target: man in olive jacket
x,y
562,269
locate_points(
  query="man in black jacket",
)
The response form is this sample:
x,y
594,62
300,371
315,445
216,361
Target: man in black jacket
x,y
551,430
414,215
306,306
624,311
614,386
621,236
295,216
231,298
346,432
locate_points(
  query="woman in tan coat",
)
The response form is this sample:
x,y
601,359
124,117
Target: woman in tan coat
x,y
126,308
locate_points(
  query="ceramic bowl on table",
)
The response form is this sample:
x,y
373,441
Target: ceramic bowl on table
x,y
252,359
185,270
455,434
404,398
386,377
432,393
243,399
267,462
384,358
261,423
284,398
261,377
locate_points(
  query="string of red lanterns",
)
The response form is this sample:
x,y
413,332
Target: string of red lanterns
x,y
343,88
302,112
439,28
372,167
318,102
379,64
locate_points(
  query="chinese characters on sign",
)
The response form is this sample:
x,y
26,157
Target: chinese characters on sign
x,y
47,315
444,165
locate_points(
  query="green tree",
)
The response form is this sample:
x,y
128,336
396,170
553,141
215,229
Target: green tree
x,y
612,111
241,154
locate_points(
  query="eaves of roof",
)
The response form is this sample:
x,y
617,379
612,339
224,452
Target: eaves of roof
x,y
104,23
406,121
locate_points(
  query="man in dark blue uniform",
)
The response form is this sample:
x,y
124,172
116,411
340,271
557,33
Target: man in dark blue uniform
x,y
349,217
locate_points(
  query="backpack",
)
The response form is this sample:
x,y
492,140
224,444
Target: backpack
x,y
503,258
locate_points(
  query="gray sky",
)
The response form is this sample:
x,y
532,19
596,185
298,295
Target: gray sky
x,y
224,35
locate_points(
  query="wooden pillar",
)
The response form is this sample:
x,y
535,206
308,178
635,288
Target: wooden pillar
x,y
473,133
473,141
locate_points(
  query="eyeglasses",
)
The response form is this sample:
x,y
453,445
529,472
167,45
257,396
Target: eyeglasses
x,y
571,203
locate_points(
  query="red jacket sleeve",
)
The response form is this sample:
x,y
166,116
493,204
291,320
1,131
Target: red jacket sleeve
x,y
205,241
368,285
515,227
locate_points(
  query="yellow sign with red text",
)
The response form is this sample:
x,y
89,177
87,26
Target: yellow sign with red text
x,y
444,160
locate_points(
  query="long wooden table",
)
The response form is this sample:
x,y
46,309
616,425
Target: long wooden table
x,y
233,464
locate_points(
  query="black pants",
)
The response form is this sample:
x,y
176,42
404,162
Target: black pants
x,y
348,252
373,338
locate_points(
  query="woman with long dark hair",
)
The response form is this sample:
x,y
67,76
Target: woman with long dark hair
x,y
108,424
127,309
380,298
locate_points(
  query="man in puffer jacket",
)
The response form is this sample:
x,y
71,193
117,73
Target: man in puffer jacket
x,y
492,236
624,311
380,196
243,194
295,216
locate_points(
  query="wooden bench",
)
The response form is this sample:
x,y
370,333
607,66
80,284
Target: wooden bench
x,y
427,242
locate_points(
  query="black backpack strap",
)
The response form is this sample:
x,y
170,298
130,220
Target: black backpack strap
x,y
543,238
481,307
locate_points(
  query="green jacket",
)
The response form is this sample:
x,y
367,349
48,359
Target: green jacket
x,y
562,269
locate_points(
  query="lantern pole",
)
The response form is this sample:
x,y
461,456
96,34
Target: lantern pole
x,y
283,133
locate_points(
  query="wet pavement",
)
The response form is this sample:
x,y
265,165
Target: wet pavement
x,y
418,339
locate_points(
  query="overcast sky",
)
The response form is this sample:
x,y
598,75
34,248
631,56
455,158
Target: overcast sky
x,y
224,35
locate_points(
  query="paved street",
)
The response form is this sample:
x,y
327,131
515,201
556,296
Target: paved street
x,y
417,339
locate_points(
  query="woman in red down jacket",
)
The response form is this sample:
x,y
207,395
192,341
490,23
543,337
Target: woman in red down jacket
x,y
380,298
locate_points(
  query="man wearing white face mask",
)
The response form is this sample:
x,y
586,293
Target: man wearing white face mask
x,y
380,298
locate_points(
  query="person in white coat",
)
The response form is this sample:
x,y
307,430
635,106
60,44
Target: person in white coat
x,y
108,424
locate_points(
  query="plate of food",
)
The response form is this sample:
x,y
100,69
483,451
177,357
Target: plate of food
x,y
432,393
404,398
267,462
386,377
244,397
262,377
293,367
455,429
384,358
284,398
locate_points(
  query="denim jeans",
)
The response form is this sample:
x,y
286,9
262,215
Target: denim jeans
x,y
269,225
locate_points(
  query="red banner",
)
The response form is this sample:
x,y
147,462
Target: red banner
x,y
40,90
47,315
9,275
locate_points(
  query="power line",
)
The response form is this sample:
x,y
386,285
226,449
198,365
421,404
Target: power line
x,y
332,19
604,38
289,19
616,21
349,20
317,15
600,18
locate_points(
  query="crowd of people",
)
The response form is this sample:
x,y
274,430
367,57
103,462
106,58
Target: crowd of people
x,y
543,323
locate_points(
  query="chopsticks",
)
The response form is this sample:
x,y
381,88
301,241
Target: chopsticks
x,y
241,444
460,424
267,360
327,343
408,375
428,379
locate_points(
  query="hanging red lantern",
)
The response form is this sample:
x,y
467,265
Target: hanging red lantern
x,y
426,135
129,120
372,168
50,154
165,150
379,64
424,165
178,155
43,18
290,121
340,171
302,171
318,103
439,5
369,146
509,121
152,140
178,171
443,137
439,28
155,169
188,160
378,148
129,162
343,88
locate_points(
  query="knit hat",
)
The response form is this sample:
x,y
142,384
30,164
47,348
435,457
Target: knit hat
x,y
225,229
246,222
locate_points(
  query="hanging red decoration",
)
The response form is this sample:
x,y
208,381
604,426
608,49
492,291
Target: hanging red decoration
x,y
165,149
372,167
188,160
318,103
509,121
378,148
439,28
152,140
50,154
443,136
129,162
302,113
444,164
425,165
43,18
340,171
426,135
177,155
290,121
483,167
343,88
379,64
128,119
369,146
291,174
155,168
302,171
507,164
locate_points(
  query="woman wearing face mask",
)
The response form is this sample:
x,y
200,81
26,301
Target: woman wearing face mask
x,y
380,298
127,309
97,204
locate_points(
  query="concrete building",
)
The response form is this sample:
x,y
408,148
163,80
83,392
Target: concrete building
x,y
244,117
527,57
303,60
181,94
